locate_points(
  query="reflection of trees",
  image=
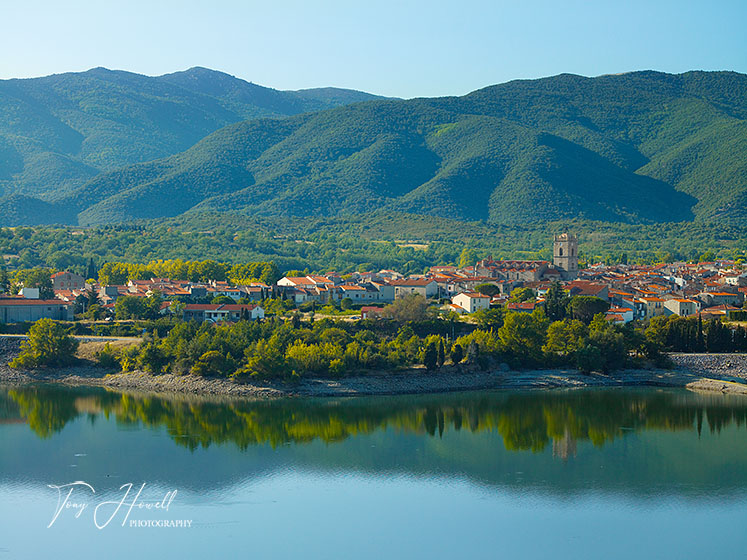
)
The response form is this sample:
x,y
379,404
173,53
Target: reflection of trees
x,y
526,421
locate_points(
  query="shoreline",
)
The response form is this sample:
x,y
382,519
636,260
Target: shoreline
x,y
385,383
724,373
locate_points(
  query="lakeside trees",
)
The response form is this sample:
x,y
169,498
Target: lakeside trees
x,y
49,344
292,348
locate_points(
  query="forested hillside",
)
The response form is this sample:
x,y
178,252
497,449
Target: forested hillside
x,y
636,148
59,131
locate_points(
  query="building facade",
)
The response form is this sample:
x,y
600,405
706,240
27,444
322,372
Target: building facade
x,y
565,255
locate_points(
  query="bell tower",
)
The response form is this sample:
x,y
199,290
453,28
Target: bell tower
x,y
565,255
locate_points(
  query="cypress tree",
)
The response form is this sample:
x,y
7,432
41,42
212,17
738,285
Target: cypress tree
x,y
430,357
457,353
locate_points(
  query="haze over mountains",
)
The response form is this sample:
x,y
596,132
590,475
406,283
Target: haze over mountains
x,y
641,147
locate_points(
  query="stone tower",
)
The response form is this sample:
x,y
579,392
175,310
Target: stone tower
x,y
565,255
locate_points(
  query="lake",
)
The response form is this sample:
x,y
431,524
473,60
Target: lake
x,y
613,473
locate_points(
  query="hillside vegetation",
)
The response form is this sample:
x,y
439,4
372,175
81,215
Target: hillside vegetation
x,y
60,131
636,148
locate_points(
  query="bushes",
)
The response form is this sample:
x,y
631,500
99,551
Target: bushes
x,y
288,349
49,344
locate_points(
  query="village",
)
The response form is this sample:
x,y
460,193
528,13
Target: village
x,y
632,292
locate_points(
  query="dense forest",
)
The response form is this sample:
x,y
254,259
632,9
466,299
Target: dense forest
x,y
404,242
57,132
635,148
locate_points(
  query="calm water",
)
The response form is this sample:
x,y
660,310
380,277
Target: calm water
x,y
582,474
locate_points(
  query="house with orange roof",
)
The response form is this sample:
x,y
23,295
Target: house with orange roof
x,y
682,307
471,301
649,306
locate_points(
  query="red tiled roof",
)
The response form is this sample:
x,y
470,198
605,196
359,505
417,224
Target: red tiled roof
x,y
24,301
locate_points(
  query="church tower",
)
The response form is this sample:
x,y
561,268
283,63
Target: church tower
x,y
565,255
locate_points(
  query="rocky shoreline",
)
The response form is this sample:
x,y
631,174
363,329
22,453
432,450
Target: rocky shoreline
x,y
711,372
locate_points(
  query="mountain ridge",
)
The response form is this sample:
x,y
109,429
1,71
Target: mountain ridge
x,y
59,131
641,147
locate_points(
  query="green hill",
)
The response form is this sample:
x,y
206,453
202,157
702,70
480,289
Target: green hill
x,y
60,131
642,147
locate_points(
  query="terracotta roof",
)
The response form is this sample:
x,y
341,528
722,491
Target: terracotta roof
x,y
475,295
23,301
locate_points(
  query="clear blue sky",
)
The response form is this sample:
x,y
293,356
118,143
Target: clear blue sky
x,y
390,47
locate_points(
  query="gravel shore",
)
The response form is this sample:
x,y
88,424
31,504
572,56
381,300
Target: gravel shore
x,y
723,373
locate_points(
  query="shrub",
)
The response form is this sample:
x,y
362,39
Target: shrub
x,y
49,344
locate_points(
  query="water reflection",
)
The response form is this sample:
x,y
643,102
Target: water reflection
x,y
525,421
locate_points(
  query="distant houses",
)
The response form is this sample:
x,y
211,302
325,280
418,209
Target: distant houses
x,y
217,313
634,292
20,309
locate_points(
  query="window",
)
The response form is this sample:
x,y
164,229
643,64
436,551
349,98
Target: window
x,y
560,252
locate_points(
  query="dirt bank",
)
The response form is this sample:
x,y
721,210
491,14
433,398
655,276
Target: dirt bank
x,y
712,372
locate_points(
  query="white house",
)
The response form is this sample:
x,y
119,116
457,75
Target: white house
x,y
626,314
471,301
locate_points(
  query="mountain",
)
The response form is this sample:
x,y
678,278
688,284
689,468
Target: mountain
x,y
640,147
60,131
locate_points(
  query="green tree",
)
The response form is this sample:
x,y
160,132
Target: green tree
x,y
467,258
610,341
488,289
584,308
588,358
489,318
49,343
430,356
519,295
457,353
441,352
413,307
566,337
222,300
523,335
37,278
556,302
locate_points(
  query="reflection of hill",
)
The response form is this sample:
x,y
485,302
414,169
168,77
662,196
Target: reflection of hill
x,y
528,421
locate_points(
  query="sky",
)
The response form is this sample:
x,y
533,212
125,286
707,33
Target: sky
x,y
394,48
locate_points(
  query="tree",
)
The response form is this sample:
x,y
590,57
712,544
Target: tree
x,y
588,358
584,308
556,302
489,318
4,280
566,337
488,289
467,258
346,303
441,353
457,354
49,344
91,270
37,278
412,307
222,300
604,336
523,334
94,312
520,295
430,356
